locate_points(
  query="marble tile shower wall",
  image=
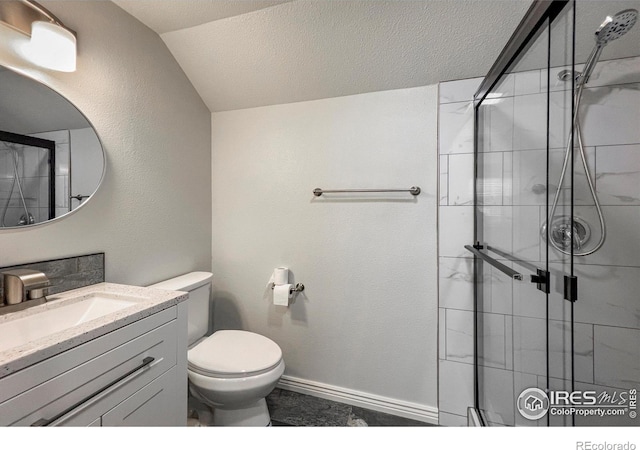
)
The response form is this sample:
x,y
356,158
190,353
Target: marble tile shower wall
x,y
607,315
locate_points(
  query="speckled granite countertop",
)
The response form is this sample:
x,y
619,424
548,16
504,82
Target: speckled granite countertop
x,y
148,302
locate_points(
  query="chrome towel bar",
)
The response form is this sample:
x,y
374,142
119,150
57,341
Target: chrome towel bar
x,y
413,190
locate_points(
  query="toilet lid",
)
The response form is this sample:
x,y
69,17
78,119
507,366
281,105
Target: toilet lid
x,y
228,353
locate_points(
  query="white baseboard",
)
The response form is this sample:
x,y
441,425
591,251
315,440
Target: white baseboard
x,y
415,411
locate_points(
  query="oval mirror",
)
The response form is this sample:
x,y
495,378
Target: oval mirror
x,y
51,159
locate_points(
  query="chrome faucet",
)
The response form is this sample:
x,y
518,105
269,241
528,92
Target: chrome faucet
x,y
24,284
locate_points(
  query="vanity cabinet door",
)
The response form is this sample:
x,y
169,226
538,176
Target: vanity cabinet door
x,y
153,405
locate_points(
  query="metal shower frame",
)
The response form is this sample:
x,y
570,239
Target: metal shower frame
x,y
540,14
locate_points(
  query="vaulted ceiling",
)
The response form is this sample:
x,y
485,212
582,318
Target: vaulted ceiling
x,y
249,53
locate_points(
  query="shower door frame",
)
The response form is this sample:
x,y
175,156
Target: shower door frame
x,y
537,19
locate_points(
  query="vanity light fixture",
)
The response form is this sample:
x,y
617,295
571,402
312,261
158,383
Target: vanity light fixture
x,y
51,45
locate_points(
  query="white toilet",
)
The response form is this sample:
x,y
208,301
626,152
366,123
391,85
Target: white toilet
x,y
231,371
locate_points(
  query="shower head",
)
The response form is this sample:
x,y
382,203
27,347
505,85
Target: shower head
x,y
611,29
617,26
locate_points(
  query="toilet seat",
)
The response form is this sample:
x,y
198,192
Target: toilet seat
x,y
234,354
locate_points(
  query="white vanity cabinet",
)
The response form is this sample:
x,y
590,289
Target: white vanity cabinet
x,y
133,376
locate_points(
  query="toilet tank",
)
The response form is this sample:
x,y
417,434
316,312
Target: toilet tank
x,y
198,285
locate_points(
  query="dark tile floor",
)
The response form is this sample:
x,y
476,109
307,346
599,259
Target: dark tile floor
x,y
289,408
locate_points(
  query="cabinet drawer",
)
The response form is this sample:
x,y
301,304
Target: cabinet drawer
x,y
92,370
153,405
130,404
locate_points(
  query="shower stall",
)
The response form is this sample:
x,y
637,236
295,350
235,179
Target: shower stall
x,y
556,252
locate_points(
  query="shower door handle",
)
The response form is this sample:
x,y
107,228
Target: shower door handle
x,y
541,278
495,263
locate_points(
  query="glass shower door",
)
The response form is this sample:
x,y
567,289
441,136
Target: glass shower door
x,y
523,323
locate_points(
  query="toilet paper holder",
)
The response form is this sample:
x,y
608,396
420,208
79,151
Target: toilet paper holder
x,y
299,287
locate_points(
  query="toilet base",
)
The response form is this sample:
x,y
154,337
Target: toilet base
x,y
255,415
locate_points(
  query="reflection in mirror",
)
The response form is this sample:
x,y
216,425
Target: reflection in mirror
x,y
51,160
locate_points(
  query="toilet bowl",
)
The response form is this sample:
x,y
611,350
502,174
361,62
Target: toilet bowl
x,y
234,371
230,372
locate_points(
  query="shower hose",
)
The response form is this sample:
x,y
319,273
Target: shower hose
x,y
565,166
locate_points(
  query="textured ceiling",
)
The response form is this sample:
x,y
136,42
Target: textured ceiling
x,y
242,54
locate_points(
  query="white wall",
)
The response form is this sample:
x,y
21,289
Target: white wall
x,y
152,215
367,320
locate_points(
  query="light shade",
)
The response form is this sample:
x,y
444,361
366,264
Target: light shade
x,y
51,46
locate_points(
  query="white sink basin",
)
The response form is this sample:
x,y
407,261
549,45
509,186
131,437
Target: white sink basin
x,y
49,318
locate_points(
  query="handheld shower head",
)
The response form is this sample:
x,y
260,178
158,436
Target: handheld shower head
x,y
611,29
617,26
